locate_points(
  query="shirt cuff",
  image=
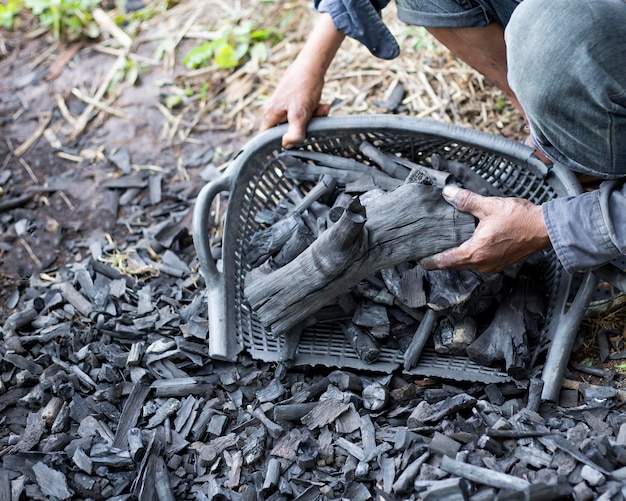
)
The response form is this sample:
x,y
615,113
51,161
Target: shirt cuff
x,y
579,232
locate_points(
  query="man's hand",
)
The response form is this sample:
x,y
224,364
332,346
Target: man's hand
x,y
297,98
509,230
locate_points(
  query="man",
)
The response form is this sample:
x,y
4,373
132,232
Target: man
x,y
566,72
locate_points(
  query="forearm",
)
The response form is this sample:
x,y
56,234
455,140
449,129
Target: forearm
x,y
588,230
321,46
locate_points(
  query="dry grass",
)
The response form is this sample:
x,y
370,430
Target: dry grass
x,y
437,85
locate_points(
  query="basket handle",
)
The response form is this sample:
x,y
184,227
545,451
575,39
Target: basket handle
x,y
200,224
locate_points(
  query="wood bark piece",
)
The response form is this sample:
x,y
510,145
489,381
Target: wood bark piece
x,y
409,223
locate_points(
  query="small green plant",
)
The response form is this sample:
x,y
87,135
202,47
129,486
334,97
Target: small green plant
x,y
233,45
8,11
69,19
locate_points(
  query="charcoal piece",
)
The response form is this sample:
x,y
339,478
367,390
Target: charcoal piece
x,y
483,476
373,317
418,342
266,242
505,339
339,206
51,482
301,238
325,412
467,177
387,165
342,256
449,288
404,482
444,445
452,336
375,396
450,489
363,344
394,99
120,158
292,412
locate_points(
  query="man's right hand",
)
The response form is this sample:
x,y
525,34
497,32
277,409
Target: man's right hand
x,y
297,98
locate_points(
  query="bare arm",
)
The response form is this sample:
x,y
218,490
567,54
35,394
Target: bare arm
x,y
297,97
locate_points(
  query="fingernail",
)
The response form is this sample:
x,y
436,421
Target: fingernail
x,y
449,191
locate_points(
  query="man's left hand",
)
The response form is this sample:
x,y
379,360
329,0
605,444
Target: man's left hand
x,y
509,230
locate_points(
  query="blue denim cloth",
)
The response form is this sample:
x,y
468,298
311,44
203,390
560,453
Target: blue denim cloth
x,y
360,19
567,66
455,13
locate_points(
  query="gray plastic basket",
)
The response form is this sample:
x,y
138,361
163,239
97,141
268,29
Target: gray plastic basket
x,y
255,180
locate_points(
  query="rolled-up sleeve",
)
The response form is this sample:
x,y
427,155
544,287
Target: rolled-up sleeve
x,y
361,20
588,230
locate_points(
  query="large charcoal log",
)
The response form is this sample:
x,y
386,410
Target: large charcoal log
x,y
406,224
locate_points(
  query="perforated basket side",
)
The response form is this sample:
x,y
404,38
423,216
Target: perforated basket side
x,y
261,183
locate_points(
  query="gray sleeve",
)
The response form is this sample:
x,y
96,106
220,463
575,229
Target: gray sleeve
x,y
588,230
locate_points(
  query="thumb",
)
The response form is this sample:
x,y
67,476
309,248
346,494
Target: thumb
x,y
462,199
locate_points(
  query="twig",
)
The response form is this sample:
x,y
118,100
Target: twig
x,y
44,120
32,255
98,104
29,170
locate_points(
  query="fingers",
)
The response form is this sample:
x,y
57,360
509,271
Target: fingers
x,y
465,200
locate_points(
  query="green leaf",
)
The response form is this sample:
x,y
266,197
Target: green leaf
x,y
240,51
225,57
173,100
199,55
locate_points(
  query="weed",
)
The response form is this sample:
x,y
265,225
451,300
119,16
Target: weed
x,y
69,19
232,46
8,11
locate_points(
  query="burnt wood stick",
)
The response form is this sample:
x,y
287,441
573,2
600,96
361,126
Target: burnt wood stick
x,y
274,430
266,242
75,298
306,172
311,392
339,206
333,161
421,336
466,176
130,414
20,318
364,345
272,475
301,238
483,476
383,161
354,248
436,177
325,185
292,412
346,381
12,203
497,433
109,272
